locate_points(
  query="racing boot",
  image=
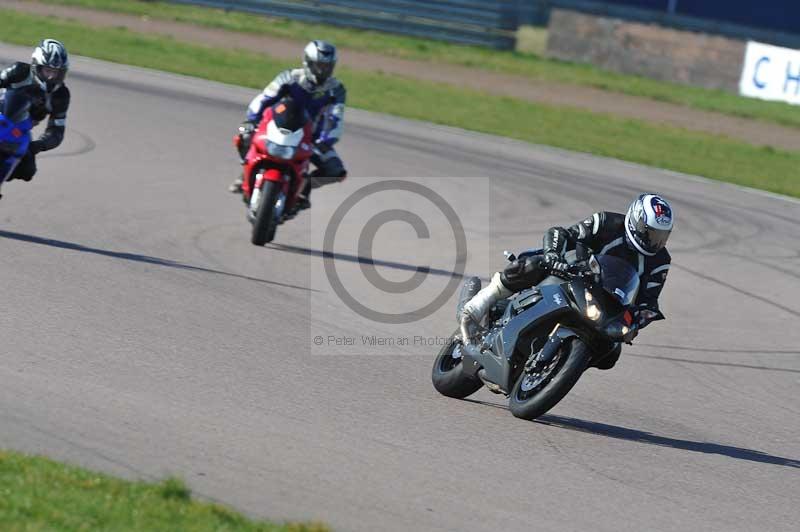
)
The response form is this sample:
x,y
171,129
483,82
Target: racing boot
x,y
477,307
243,143
302,203
304,199
236,186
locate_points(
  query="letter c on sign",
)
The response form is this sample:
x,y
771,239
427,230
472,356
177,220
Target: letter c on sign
x,y
757,83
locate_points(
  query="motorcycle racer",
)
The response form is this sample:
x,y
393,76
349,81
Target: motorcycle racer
x,y
639,237
43,79
323,97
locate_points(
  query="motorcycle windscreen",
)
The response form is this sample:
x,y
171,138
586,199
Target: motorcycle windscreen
x,y
288,115
284,137
16,105
619,279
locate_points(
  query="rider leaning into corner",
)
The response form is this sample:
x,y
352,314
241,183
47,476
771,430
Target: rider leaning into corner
x,y
639,237
43,80
323,97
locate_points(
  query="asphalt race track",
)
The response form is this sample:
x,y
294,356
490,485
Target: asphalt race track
x,y
143,334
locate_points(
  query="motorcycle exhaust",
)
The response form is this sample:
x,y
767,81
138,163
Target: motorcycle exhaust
x,y
468,290
492,387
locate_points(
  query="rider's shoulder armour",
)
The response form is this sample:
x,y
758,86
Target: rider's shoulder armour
x,y
335,88
599,229
17,75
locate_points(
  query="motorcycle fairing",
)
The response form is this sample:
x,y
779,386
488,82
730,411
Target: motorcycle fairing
x,y
284,137
15,138
554,301
257,158
15,128
497,361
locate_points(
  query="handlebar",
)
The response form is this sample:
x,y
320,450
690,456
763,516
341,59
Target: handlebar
x,y
579,269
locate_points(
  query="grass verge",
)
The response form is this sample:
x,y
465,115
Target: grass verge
x,y
524,64
40,494
667,147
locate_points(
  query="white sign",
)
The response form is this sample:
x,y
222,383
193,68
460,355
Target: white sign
x,y
771,73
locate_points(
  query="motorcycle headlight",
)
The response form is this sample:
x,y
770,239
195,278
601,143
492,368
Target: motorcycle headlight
x,y
592,310
280,151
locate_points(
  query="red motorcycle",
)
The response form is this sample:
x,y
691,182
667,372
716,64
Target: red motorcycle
x,y
276,168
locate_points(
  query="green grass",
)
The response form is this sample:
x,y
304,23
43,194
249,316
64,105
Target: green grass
x,y
524,64
691,152
40,494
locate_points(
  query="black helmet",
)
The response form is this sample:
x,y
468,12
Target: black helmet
x,y
50,64
648,224
319,61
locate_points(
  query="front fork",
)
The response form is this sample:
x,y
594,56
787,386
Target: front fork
x,y
536,362
547,354
258,189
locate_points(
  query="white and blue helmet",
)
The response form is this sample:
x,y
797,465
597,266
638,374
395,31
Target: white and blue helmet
x,y
648,224
50,63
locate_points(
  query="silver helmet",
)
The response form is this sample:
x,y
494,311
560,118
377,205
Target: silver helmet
x,y
319,60
648,224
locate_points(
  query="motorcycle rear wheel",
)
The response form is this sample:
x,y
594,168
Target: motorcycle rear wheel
x,y
571,362
264,225
448,374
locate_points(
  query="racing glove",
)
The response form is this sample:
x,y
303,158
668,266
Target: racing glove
x,y
556,264
644,316
246,128
323,140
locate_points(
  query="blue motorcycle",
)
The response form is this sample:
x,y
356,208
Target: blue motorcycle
x,y
15,130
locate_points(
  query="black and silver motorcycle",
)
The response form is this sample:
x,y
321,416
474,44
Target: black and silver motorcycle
x,y
534,346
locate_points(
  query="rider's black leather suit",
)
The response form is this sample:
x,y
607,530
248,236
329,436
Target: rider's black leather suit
x,y
604,234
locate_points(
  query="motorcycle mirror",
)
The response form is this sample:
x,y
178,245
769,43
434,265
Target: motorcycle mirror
x,y
510,257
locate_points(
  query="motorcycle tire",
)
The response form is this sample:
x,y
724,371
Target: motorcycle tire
x,y
264,225
575,358
448,375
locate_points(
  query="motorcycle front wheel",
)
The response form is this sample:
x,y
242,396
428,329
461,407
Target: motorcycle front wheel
x,y
264,225
448,374
534,394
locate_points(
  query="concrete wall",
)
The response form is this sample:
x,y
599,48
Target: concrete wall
x,y
646,49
